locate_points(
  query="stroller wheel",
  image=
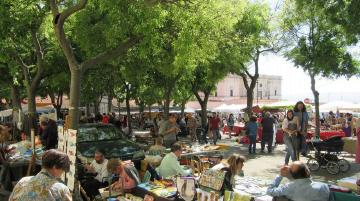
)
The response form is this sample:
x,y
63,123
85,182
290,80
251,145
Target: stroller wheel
x,y
344,165
332,168
313,164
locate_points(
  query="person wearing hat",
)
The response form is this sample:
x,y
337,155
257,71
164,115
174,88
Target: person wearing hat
x,y
49,135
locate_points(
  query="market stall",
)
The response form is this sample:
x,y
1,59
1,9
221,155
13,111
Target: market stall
x,y
237,129
17,162
326,134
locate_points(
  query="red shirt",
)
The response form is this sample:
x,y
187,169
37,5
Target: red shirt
x,y
214,122
105,119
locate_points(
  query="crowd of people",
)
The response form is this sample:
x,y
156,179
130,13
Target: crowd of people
x,y
122,176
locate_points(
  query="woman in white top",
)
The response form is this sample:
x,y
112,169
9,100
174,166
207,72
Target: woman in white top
x,y
291,128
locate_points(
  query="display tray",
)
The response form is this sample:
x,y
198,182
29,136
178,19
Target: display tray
x,y
164,188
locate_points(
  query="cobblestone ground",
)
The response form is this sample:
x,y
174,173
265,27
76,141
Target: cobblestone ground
x,y
266,166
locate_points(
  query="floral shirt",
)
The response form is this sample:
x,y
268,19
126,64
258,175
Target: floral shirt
x,y
41,187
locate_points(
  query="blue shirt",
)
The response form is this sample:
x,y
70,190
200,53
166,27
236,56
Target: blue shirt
x,y
252,127
300,190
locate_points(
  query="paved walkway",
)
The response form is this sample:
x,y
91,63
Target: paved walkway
x,y
266,166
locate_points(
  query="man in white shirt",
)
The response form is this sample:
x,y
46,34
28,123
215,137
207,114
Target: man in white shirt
x,y
98,168
170,165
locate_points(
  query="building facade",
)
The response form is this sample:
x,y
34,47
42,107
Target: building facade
x,y
232,86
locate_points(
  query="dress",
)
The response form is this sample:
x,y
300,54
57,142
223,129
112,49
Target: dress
x,y
43,186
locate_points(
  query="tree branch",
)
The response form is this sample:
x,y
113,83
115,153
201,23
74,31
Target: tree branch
x,y
154,2
53,7
248,74
39,60
196,93
52,98
24,67
61,37
111,54
61,17
266,50
246,83
68,12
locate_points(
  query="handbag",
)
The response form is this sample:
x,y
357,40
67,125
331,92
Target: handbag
x,y
212,180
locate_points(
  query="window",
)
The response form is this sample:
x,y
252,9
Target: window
x,y
260,85
231,93
275,92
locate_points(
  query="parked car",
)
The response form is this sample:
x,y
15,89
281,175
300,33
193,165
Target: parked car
x,y
108,138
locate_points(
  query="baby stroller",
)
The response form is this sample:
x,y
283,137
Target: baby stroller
x,y
327,153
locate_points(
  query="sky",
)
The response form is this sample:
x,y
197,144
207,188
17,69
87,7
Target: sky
x,y
296,83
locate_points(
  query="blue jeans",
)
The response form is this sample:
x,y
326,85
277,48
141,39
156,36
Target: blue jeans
x,y
292,144
252,143
216,134
303,145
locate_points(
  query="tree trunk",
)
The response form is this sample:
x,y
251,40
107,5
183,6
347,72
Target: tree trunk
x,y
16,105
141,108
128,111
253,82
57,103
249,101
87,110
203,104
183,108
203,114
317,109
15,97
96,107
75,86
109,106
31,110
167,104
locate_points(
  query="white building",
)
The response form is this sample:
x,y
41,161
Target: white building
x,y
232,86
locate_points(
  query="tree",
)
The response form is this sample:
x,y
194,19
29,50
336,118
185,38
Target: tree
x,y
11,90
183,93
253,37
24,39
202,85
319,46
343,13
56,79
78,67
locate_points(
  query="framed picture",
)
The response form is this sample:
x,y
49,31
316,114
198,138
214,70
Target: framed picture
x,y
186,187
